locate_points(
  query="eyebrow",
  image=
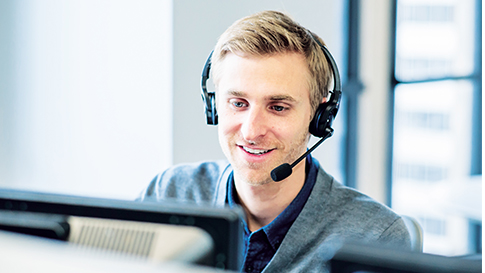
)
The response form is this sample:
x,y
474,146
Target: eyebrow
x,y
272,98
282,97
236,93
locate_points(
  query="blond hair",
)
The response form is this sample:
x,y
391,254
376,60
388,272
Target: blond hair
x,y
272,32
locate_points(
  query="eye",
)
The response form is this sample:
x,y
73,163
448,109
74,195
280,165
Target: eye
x,y
278,108
238,103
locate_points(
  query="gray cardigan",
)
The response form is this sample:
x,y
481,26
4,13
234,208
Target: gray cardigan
x,y
333,214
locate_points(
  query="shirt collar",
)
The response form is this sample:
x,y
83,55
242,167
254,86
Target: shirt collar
x,y
277,229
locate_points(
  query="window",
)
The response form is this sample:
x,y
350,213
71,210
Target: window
x,y
424,120
421,173
433,226
436,150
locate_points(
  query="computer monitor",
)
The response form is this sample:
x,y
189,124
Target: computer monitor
x,y
138,228
360,258
22,253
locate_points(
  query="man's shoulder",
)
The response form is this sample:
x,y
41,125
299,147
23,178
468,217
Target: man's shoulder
x,y
339,197
360,216
189,171
191,182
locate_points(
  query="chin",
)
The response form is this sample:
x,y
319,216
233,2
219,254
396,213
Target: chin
x,y
259,181
253,177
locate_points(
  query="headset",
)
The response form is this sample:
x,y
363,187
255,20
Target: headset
x,y
321,124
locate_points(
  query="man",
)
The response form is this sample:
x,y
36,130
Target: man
x,y
270,76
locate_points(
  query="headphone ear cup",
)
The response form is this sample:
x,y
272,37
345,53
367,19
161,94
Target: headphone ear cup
x,y
215,117
320,120
209,98
211,113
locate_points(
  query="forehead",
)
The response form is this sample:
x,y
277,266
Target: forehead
x,y
284,74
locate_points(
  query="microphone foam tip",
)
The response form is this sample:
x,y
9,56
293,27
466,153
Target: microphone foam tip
x,y
281,172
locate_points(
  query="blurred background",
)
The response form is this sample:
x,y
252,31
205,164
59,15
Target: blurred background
x,y
97,97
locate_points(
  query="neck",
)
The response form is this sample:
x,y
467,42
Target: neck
x,y
263,203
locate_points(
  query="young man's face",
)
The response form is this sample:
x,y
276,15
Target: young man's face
x,y
264,112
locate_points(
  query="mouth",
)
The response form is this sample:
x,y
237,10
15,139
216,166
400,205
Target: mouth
x,y
255,151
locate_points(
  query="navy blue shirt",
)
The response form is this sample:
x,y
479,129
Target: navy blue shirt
x,y
261,245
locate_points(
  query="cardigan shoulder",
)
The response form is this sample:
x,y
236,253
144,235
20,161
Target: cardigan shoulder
x,y
196,182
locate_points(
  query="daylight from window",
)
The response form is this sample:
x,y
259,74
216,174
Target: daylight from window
x,y
434,108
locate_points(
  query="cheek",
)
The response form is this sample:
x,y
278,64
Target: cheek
x,y
227,127
224,137
228,120
295,136
293,129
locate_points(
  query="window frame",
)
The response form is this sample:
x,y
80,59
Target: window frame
x,y
475,77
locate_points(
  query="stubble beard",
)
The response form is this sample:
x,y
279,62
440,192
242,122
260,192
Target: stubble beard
x,y
258,174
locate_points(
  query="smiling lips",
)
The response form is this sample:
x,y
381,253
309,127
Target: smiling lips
x,y
255,151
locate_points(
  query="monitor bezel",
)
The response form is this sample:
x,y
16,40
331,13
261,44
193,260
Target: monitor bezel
x,y
222,224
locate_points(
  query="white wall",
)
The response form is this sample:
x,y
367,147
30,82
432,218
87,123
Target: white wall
x,y
374,113
87,100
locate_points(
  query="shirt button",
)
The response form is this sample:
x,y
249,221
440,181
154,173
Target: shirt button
x,y
249,269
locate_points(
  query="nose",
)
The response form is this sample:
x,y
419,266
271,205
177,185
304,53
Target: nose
x,y
255,124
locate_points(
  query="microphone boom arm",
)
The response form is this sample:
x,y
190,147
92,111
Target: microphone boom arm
x,y
284,170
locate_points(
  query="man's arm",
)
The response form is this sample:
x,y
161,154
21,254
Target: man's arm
x,y
396,235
